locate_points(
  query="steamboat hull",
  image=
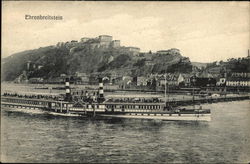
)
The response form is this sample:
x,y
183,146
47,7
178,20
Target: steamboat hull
x,y
153,111
174,117
110,115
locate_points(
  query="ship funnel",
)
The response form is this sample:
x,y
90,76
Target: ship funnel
x,y
101,92
67,89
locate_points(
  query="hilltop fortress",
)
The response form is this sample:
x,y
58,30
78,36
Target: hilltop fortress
x,y
101,55
102,42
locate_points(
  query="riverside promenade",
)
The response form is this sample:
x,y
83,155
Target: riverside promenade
x,y
28,92
12,100
208,100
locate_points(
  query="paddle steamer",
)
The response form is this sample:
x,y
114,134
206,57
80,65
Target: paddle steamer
x,y
97,106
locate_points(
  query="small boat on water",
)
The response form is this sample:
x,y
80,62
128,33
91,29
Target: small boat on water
x,y
97,106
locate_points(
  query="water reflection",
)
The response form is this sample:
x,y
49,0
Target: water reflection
x,y
40,137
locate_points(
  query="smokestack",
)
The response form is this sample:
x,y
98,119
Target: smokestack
x,y
94,97
101,92
28,65
67,88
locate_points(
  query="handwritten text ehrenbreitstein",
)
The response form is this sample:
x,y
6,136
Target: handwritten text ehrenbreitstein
x,y
42,17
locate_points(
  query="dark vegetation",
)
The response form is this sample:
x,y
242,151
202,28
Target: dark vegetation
x,y
238,65
231,65
57,61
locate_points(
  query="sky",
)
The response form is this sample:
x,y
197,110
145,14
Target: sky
x,y
203,31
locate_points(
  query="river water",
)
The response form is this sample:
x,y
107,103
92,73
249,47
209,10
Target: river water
x,y
39,137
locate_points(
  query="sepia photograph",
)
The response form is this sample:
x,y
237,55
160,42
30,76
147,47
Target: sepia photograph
x,y
125,82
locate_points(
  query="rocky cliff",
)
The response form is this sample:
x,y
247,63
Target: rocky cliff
x,y
52,61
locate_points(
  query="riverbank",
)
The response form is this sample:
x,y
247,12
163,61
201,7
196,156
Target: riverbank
x,y
180,98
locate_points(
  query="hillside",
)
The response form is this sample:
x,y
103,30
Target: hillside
x,y
229,66
50,62
14,65
199,65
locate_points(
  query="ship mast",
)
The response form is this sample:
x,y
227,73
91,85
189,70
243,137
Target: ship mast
x,y
225,76
165,89
193,93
